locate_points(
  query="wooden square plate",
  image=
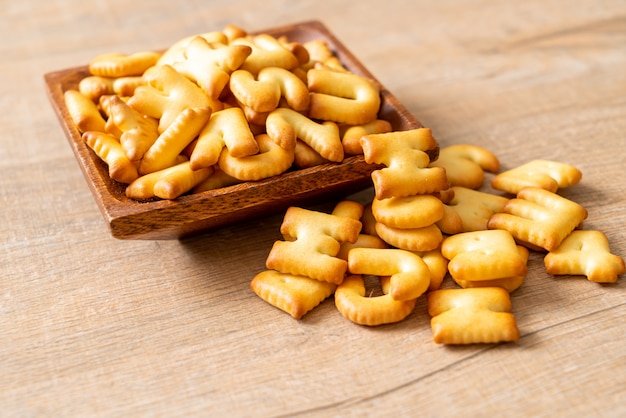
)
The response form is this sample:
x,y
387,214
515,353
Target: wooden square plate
x,y
195,213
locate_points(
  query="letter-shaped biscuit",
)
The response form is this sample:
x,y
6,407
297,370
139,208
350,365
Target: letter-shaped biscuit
x,y
305,156
166,94
438,266
353,304
267,51
163,153
210,66
84,112
111,152
295,295
121,65
138,132
475,207
342,97
508,283
226,128
168,183
271,160
410,276
471,316
284,126
403,154
545,174
93,87
585,253
264,93
351,134
416,239
465,164
312,241
539,217
483,255
216,180
408,212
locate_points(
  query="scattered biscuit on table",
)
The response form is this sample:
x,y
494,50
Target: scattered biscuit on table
x,y
293,294
475,207
472,316
465,164
539,218
483,255
312,241
353,303
545,174
585,253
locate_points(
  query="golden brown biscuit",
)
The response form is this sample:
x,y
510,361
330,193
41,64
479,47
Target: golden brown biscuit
x,y
263,94
168,183
137,132
585,253
406,172
409,275
475,207
93,87
417,239
166,148
544,174
84,112
351,134
226,128
122,65
111,152
342,97
539,218
465,164
438,266
285,125
216,180
295,295
312,241
166,94
271,160
267,51
353,304
472,316
408,212
509,283
305,156
483,255
210,65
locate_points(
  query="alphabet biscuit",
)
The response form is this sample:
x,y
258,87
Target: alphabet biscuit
x,y
409,275
342,97
470,316
293,294
544,174
270,161
168,183
465,164
509,283
353,304
483,255
312,241
585,253
111,152
406,172
539,218
474,207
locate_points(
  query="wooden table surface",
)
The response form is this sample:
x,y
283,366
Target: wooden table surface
x,y
95,326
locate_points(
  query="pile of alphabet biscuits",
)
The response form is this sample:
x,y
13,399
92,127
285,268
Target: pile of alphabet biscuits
x,y
226,107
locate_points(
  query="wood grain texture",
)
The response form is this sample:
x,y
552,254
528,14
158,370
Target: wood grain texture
x,y
95,326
